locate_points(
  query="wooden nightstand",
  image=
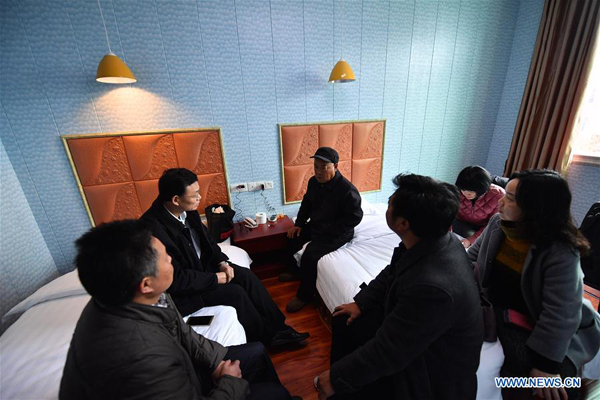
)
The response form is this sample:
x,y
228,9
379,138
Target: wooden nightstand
x,y
265,244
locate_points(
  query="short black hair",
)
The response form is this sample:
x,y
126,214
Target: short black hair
x,y
113,258
427,204
173,182
474,179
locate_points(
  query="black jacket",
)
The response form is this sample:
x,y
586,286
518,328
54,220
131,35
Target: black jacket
x,y
191,276
430,340
333,208
142,352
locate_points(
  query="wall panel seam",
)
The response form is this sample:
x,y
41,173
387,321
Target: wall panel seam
x,y
428,87
448,90
412,32
87,85
237,32
162,42
212,113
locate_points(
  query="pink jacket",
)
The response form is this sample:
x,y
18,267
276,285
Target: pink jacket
x,y
480,213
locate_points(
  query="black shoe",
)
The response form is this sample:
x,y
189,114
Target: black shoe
x,y
288,336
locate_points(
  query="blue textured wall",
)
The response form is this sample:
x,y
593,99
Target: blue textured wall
x,y
21,243
435,70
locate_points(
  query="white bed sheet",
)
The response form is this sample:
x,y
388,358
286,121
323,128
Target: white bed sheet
x,y
341,272
33,350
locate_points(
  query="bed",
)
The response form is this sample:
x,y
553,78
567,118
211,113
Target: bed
x,y
32,359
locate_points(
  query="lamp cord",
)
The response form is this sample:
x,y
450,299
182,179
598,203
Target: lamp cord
x,y
104,23
342,30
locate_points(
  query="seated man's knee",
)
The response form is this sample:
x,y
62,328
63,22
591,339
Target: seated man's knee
x,y
256,348
311,255
235,292
243,275
339,323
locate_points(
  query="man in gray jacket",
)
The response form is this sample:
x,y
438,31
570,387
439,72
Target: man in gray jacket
x,y
130,341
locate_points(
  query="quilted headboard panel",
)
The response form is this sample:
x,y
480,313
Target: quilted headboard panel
x,y
359,144
118,174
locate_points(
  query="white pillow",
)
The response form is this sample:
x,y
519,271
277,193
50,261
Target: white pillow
x,y
372,209
64,286
236,254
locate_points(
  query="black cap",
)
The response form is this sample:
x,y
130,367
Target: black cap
x,y
327,154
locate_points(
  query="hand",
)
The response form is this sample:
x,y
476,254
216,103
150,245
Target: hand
x,y
466,244
351,309
549,393
294,231
228,269
227,367
324,387
221,278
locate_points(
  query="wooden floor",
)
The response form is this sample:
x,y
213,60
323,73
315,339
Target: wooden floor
x,y
297,367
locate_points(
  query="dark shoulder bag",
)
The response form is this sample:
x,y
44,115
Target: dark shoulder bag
x,y
220,225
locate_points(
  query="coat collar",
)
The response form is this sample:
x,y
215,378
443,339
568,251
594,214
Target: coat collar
x,y
496,239
405,258
330,184
142,312
174,227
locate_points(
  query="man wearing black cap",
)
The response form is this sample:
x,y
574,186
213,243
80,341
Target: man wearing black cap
x,y
332,204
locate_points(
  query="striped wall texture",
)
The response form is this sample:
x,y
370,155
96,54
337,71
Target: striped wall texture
x,y
446,75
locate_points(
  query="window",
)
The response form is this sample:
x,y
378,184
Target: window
x,y
586,147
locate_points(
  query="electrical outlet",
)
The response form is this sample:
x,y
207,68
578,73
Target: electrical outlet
x,y
254,186
238,187
259,185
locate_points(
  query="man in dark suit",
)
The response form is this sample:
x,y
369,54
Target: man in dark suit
x,y
415,332
329,212
202,275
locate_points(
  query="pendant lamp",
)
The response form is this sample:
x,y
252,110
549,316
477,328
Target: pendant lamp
x,y
111,68
342,72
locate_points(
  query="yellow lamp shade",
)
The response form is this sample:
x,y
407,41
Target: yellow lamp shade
x,y
342,72
112,70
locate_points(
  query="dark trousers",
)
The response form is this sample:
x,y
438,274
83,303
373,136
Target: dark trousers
x,y
317,248
258,370
346,339
256,310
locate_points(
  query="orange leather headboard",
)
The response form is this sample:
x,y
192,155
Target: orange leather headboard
x,y
359,144
118,174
